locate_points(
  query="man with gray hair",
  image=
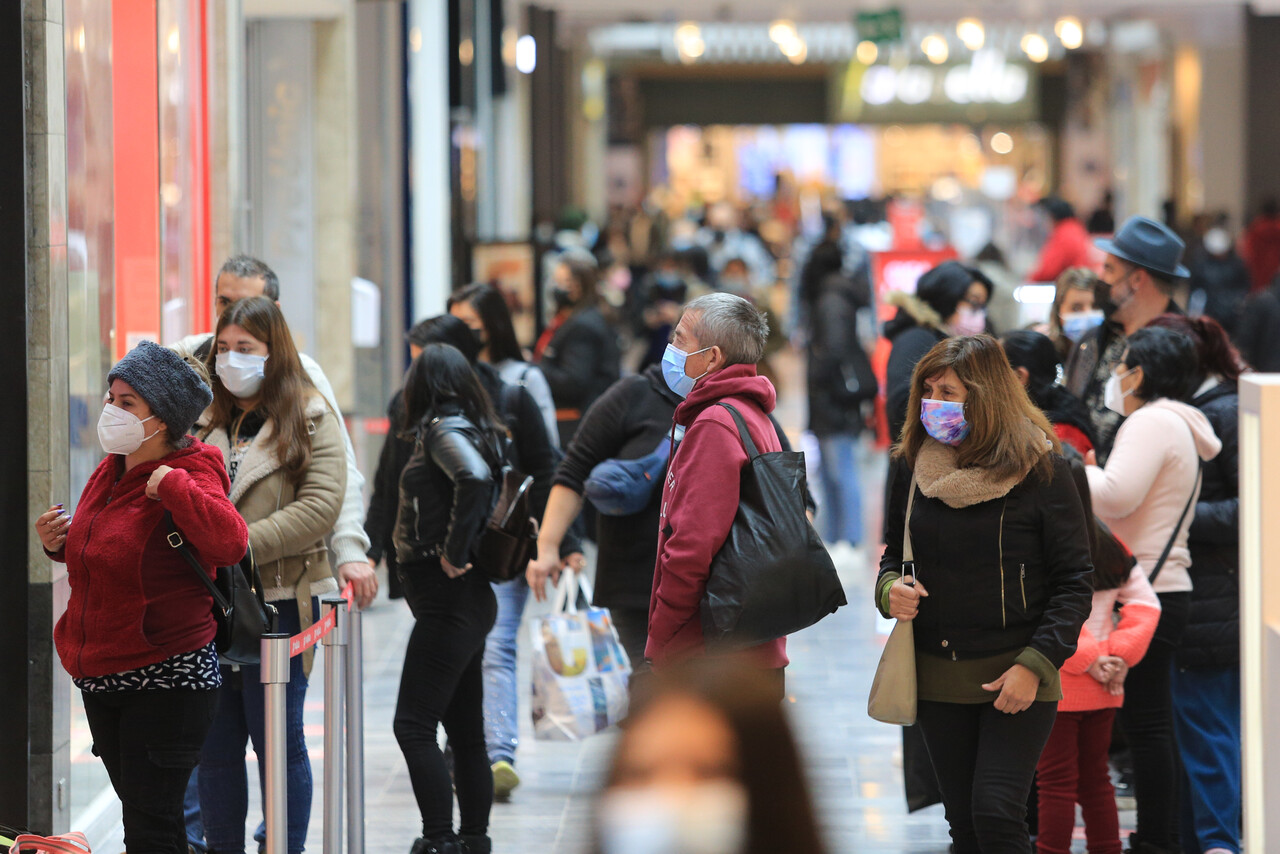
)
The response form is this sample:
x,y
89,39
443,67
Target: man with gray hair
x,y
711,360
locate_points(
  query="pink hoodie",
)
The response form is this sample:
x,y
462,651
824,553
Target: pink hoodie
x,y
1148,479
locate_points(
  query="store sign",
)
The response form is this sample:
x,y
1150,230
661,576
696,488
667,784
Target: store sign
x,y
986,88
879,27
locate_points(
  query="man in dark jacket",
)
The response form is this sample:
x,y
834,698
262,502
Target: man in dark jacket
x,y
1258,336
1219,280
1143,260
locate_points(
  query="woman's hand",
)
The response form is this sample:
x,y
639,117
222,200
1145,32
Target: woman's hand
x,y
904,600
1090,458
1017,686
451,570
52,526
153,482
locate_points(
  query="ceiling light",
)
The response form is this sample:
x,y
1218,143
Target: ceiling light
x,y
689,43
935,48
526,54
971,32
1069,31
1002,143
1036,47
868,53
782,31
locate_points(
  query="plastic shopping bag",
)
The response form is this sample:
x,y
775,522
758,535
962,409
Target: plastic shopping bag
x,y
70,843
580,669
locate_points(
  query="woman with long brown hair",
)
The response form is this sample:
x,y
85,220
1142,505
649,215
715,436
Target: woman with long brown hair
x,y
998,589
284,455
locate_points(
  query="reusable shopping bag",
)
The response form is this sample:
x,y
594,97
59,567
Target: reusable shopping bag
x,y
69,843
580,669
893,690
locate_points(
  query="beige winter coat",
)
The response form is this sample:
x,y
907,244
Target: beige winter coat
x,y
287,523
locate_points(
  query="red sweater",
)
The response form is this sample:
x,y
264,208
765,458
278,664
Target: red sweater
x,y
1128,639
1067,246
699,502
134,600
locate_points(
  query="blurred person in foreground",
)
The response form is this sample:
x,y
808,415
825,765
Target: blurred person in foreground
x,y
1206,674
1143,260
711,359
1000,582
1148,481
706,764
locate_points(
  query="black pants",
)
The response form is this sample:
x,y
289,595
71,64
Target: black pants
x,y
985,761
442,684
1147,719
633,631
149,741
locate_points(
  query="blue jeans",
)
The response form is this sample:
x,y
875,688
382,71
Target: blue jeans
x,y
1206,719
840,517
191,813
224,783
501,704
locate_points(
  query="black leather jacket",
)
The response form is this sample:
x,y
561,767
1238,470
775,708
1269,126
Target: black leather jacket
x,y
1004,574
447,491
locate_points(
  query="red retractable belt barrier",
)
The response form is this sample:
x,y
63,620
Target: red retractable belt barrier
x,y
304,640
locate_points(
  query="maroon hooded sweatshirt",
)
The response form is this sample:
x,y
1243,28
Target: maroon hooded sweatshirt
x,y
699,502
134,600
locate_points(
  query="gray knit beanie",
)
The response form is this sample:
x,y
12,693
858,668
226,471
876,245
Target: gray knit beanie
x,y
170,386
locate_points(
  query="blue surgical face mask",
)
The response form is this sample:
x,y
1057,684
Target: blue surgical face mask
x,y
673,370
1077,323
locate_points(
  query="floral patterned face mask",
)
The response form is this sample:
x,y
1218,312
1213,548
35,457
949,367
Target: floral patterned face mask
x,y
944,420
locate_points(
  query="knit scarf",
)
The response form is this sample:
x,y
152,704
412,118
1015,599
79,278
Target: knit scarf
x,y
939,477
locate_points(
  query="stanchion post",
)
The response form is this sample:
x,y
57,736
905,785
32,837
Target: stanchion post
x,y
274,668
335,644
355,733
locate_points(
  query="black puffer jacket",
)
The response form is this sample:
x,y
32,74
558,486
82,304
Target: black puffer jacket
x,y
840,377
1212,637
1005,574
913,331
580,363
447,491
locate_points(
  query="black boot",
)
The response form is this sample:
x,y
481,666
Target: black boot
x,y
436,845
471,843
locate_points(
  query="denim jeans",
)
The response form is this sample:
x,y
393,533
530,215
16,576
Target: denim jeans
x,y
840,517
441,683
985,761
224,782
149,742
191,813
1206,718
501,703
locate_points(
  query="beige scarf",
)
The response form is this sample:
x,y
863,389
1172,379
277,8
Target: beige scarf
x,y
939,476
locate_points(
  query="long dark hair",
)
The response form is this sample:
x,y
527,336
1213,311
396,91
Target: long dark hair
x,y
781,816
285,385
441,380
1036,354
1218,356
495,316
446,329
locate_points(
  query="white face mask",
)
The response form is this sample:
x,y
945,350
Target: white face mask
x,y
120,431
709,818
241,373
1113,395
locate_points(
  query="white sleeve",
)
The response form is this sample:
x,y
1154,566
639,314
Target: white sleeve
x,y
350,542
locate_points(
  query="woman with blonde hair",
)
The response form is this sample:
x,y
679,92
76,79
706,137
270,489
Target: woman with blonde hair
x,y
284,456
1076,308
998,589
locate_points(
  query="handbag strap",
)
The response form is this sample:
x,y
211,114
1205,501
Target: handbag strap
x,y
1168,547
179,544
743,432
908,554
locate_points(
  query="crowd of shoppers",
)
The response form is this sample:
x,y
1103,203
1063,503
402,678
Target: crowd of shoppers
x,y
1070,498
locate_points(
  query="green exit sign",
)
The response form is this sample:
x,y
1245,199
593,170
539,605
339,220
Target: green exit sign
x,y
879,27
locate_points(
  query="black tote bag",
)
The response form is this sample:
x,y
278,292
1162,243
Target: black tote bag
x,y
772,577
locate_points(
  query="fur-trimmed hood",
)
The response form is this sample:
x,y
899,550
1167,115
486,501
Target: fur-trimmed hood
x,y
912,311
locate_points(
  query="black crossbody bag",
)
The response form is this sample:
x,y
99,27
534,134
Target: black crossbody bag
x,y
241,613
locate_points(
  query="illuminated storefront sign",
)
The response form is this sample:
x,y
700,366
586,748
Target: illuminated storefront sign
x,y
987,87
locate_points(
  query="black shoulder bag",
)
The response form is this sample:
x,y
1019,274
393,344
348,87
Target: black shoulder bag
x,y
772,577
243,616
1168,547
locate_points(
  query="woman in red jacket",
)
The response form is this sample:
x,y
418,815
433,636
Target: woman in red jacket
x,y
138,633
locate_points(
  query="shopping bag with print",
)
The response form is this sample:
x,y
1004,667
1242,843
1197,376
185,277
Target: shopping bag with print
x,y
580,670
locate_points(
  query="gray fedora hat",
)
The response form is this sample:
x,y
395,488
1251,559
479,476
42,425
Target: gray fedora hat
x,y
1148,244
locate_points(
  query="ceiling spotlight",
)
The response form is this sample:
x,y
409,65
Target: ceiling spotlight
x,y
971,32
1069,31
795,50
689,43
1002,143
868,53
935,48
782,31
1036,47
